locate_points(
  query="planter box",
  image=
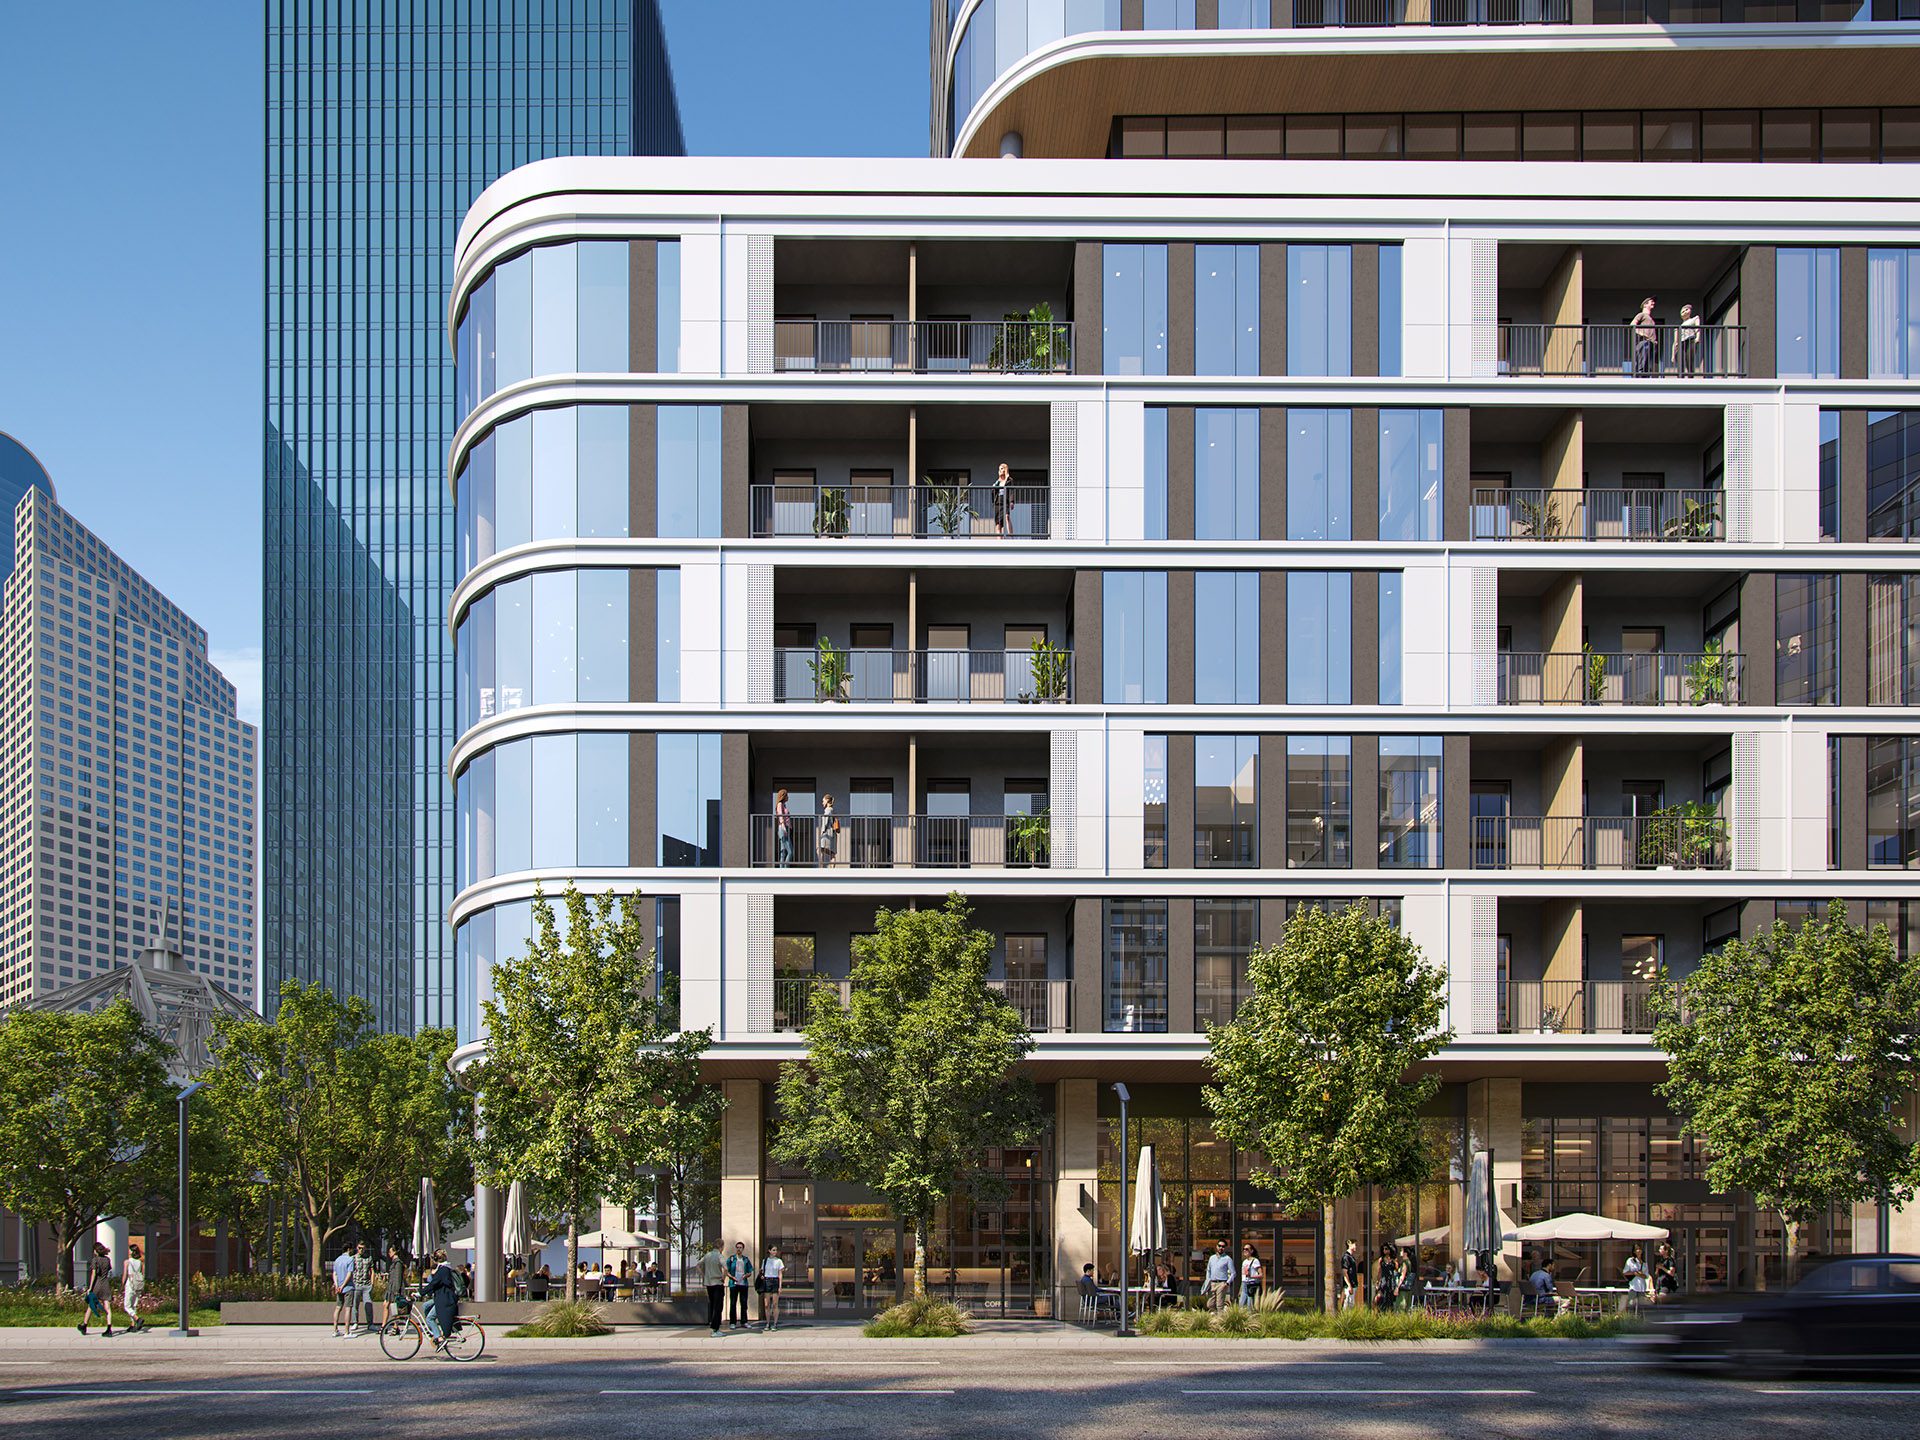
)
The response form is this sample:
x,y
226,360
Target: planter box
x,y
506,1313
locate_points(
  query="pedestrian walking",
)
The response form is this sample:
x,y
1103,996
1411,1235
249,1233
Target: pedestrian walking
x,y
1386,1279
360,1286
133,1280
771,1269
1350,1275
99,1287
1219,1277
342,1283
829,833
713,1274
740,1273
1252,1275
395,1276
1403,1280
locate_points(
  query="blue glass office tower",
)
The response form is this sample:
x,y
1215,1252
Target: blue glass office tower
x,y
385,119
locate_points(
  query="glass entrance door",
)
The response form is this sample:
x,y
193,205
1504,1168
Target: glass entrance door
x,y
859,1268
1290,1255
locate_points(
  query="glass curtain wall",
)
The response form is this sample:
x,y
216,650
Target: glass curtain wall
x,y
1805,618
1135,965
1133,310
1226,309
1893,314
1319,637
1133,637
1808,336
1893,475
1319,802
1226,475
1226,638
1410,802
1411,471
1226,801
1319,474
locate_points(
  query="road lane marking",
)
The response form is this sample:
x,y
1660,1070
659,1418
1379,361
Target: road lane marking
x,y
1609,1362
744,1363
759,1390
1360,1394
1242,1364
98,1394
1910,1391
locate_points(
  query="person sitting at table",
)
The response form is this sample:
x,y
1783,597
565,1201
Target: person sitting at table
x,y
1542,1281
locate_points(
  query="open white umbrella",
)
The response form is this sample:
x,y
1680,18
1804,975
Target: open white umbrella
x,y
426,1220
1582,1226
516,1227
1426,1237
1148,1231
617,1240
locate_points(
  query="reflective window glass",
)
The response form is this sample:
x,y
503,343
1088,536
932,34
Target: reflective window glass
x,y
1226,310
688,471
1410,474
667,634
513,807
1133,637
604,306
1893,474
1154,801
513,652
556,461
1808,282
603,800
1154,461
513,320
1133,310
1392,308
689,800
1226,474
1410,802
553,637
556,302
1319,637
1319,802
1223,938
666,310
555,795
1226,800
1893,314
1893,801
1135,945
602,487
1319,474
1226,638
1804,620
1319,310
513,483
1392,642
603,628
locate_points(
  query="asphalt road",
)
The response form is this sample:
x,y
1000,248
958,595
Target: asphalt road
x,y
146,1387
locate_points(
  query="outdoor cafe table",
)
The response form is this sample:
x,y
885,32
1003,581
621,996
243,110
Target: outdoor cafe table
x,y
1469,1298
1596,1297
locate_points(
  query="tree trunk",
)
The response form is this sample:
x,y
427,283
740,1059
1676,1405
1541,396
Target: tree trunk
x,y
316,1244
573,1257
1330,1259
919,1256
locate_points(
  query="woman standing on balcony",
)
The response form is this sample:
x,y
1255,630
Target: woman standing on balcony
x,y
782,830
1000,484
829,831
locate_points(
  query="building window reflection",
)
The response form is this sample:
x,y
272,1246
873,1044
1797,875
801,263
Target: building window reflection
x,y
1135,965
1134,637
1319,309
1226,637
1226,474
1226,309
1133,310
1410,802
1319,474
689,801
1226,801
1319,637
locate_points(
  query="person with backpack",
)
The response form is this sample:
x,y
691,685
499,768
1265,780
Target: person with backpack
x,y
740,1273
99,1286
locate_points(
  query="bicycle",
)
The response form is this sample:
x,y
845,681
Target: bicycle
x,y
401,1337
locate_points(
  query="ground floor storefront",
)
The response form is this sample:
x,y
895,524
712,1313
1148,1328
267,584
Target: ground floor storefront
x,y
1607,1148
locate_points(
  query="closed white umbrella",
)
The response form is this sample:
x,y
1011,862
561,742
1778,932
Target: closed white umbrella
x,y
1582,1226
426,1220
1148,1231
516,1226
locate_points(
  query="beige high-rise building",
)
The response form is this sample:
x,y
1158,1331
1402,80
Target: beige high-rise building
x,y
128,779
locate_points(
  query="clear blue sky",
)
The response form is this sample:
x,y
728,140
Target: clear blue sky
x,y
131,234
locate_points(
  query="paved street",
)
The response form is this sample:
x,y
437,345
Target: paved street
x,y
1048,1381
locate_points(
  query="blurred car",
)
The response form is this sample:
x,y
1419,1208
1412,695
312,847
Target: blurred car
x,y
1860,1313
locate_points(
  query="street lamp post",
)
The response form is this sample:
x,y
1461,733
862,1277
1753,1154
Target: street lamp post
x,y
1125,1239
182,1330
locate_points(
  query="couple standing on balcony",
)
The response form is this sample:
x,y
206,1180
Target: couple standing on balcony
x,y
828,831
1685,353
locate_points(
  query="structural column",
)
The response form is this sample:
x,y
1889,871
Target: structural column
x,y
488,1281
740,1167
1076,1146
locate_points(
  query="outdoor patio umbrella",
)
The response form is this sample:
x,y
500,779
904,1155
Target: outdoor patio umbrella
x,y
617,1240
516,1227
1148,1232
1480,1231
1582,1226
426,1220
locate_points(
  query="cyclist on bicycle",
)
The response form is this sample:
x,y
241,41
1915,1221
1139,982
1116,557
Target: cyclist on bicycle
x,y
440,1299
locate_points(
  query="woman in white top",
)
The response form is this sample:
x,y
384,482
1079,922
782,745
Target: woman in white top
x,y
135,1276
770,1272
1635,1271
1252,1275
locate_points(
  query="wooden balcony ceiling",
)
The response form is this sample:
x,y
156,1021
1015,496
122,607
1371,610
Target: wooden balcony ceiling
x,y
1067,111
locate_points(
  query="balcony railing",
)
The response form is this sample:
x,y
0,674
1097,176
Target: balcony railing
x,y
879,842
994,347
1665,841
1318,14
1672,352
1590,677
1045,1005
1577,1007
1676,516
908,677
927,512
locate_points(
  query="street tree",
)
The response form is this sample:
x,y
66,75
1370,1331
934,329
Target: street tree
x,y
686,1147
1791,1059
907,1086
1319,1070
423,1120
576,1094
86,1117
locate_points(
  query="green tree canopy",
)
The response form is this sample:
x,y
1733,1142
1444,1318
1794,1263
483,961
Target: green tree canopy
x,y
1318,1070
578,1092
1789,1056
346,1119
906,1088
86,1119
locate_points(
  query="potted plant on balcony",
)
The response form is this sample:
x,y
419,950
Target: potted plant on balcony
x,y
1596,675
1030,839
1031,342
831,673
947,508
1538,519
830,512
1707,676
1686,836
1052,671
1697,520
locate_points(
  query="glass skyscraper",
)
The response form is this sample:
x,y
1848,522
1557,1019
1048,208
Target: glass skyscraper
x,y
385,120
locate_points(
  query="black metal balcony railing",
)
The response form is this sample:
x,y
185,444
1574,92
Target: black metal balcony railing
x,y
1675,516
1045,1005
927,512
994,347
1670,352
878,842
909,677
1664,841
1590,677
1577,1007
1319,14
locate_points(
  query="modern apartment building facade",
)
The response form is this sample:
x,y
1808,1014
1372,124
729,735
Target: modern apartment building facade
x,y
383,124
1359,546
128,777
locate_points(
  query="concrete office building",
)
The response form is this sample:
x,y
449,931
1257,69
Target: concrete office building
x,y
383,123
1387,559
128,779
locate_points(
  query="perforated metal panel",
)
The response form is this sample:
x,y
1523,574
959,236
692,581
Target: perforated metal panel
x,y
1063,470
760,634
1746,800
760,963
1484,304
1063,800
760,304
1482,1015
1739,473
1486,635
